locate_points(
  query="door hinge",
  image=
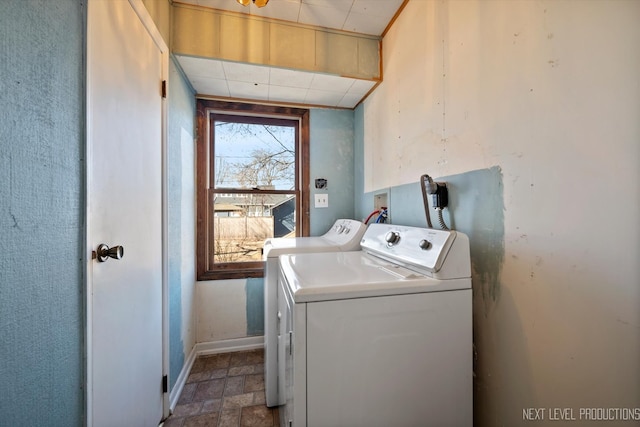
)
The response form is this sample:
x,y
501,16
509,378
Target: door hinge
x,y
290,342
164,88
165,384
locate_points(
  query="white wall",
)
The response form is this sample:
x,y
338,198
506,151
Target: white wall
x,y
549,92
220,310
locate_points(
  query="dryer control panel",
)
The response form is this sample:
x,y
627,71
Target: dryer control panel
x,y
346,234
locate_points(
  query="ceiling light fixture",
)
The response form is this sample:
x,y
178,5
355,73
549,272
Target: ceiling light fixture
x,y
259,3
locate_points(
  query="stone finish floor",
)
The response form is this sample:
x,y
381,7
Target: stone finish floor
x,y
223,390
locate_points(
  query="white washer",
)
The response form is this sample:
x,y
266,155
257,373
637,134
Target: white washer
x,y
379,337
344,235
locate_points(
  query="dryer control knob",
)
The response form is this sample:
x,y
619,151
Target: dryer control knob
x,y
392,237
425,244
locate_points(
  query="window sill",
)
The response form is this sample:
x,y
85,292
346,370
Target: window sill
x,y
245,273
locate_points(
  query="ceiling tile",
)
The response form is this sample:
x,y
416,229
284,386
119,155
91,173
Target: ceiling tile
x,y
322,16
328,82
287,94
365,24
341,5
349,101
248,90
210,86
284,77
210,68
323,97
361,87
386,8
235,71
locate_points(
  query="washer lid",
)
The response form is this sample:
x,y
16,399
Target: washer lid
x,y
344,275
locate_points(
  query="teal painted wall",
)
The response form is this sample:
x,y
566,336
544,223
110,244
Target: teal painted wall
x,y
42,147
180,168
255,306
476,208
331,157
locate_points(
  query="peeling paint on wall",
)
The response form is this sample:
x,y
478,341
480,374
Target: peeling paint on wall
x,y
476,206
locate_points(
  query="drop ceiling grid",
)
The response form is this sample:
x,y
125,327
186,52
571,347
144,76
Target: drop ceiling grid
x,y
246,81
360,16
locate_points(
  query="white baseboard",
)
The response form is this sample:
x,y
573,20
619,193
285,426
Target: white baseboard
x,y
205,348
226,346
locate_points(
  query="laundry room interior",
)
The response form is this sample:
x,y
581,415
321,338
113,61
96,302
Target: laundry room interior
x,y
527,110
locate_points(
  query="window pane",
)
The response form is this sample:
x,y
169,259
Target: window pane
x,y
254,156
241,223
243,151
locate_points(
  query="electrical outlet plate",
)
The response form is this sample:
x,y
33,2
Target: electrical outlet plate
x,y
322,201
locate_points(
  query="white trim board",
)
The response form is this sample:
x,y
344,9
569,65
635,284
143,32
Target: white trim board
x,y
206,348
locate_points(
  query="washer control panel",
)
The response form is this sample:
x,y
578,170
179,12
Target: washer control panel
x,y
423,249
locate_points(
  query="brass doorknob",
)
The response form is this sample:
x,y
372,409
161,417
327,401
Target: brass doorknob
x,y
104,252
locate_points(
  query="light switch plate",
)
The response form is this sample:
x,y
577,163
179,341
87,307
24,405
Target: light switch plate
x,y
322,201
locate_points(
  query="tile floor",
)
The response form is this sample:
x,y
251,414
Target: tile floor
x,y
225,390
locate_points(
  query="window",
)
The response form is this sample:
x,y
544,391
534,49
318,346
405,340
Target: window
x,y
252,184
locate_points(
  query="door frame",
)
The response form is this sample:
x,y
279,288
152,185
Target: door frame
x,y
149,24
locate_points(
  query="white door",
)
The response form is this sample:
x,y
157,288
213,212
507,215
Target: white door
x,y
125,70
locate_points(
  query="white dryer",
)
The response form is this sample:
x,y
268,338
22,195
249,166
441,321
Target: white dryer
x,y
344,235
381,336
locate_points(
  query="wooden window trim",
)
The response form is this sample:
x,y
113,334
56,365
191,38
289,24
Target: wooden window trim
x,y
204,176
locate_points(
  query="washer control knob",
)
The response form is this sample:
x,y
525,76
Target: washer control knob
x,y
392,237
425,244
340,229
346,230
